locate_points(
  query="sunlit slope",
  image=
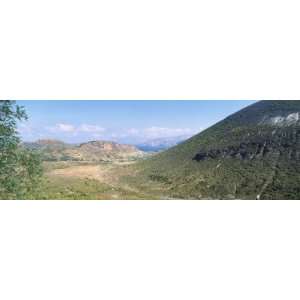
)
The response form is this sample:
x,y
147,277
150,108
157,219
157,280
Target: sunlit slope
x,y
254,153
96,151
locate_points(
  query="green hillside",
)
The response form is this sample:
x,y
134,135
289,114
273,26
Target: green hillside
x,y
254,153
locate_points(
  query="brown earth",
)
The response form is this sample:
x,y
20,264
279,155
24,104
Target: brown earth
x,y
118,178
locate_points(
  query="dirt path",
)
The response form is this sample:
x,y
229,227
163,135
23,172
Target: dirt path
x,y
269,179
109,174
98,172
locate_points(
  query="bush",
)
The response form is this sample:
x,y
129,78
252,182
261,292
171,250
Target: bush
x,y
20,169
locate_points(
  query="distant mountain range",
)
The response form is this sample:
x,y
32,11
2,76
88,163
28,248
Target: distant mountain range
x,y
160,144
55,150
252,154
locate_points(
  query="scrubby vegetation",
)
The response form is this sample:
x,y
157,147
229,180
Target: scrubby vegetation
x,y
20,169
252,154
242,157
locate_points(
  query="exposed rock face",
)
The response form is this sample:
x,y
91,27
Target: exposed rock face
x,y
253,153
104,151
108,147
287,120
282,143
54,150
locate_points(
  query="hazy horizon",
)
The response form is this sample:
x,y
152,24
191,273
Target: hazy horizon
x,y
122,121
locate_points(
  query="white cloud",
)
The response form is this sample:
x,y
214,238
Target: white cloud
x,y
153,132
66,127
85,131
90,128
25,128
61,127
159,132
69,128
133,131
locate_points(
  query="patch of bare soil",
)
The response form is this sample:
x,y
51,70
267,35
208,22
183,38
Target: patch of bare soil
x,y
123,180
98,172
104,173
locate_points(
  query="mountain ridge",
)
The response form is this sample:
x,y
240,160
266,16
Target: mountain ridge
x,y
252,153
96,150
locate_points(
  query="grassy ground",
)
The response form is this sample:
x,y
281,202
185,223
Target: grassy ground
x,y
84,180
212,180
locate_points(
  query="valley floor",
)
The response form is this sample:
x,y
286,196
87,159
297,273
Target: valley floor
x,y
90,180
131,180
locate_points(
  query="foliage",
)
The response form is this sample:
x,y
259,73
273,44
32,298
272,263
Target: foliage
x,y
20,169
271,174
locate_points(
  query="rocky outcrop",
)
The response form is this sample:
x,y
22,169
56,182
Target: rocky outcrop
x,y
105,146
281,120
283,143
53,150
104,151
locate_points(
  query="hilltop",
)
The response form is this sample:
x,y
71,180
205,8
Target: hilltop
x,y
93,151
254,153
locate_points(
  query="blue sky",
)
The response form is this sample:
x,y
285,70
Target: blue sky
x,y
121,121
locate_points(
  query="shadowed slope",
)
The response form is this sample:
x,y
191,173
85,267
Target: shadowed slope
x,y
254,153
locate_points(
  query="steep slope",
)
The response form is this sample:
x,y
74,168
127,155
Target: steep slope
x,y
254,153
53,150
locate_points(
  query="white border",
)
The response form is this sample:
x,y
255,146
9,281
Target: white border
x,y
161,49
158,49
149,250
